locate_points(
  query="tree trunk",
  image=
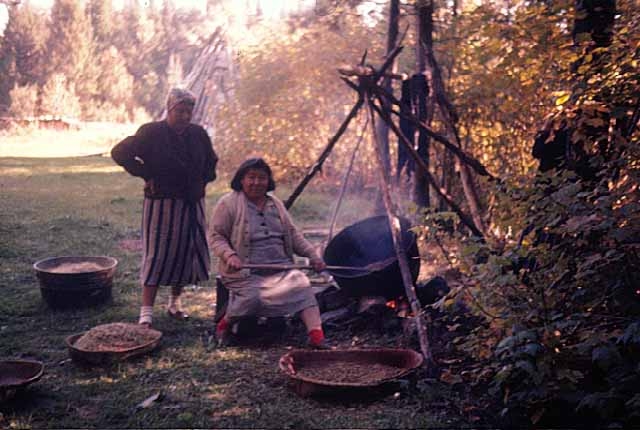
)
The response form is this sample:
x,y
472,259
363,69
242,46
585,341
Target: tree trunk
x,y
420,163
424,25
448,164
382,128
450,118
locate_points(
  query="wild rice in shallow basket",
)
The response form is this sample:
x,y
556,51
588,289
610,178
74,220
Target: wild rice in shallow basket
x,y
115,337
348,372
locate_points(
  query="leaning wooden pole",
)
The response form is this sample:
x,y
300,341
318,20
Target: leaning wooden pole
x,y
318,164
437,137
396,233
466,220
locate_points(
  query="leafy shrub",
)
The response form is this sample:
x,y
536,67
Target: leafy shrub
x,y
562,304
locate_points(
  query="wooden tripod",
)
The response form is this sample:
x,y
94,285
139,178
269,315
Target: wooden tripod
x,y
365,80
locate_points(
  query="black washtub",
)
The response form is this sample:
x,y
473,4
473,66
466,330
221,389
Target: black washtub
x,y
368,242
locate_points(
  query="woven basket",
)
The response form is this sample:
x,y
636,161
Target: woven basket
x,y
102,358
72,290
405,360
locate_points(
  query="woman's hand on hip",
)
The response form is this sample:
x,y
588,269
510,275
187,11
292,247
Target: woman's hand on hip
x,y
234,262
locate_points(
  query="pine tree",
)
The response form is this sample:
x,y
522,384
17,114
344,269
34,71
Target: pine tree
x,y
7,72
115,100
25,36
101,14
71,48
59,97
21,51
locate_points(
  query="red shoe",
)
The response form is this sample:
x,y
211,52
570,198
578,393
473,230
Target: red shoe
x,y
223,333
317,340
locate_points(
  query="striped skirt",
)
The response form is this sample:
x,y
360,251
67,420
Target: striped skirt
x,y
175,242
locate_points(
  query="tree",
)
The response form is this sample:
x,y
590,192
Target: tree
x,y
422,91
561,304
382,131
101,13
115,86
24,101
6,70
288,97
59,97
71,49
132,34
21,52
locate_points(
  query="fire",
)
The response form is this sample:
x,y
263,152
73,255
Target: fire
x,y
392,304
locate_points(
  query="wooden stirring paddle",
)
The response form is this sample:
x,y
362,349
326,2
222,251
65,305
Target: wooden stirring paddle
x,y
373,267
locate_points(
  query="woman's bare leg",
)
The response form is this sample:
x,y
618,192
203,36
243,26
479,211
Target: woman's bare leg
x,y
149,293
311,318
174,300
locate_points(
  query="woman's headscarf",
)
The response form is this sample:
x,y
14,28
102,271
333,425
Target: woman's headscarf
x,y
179,95
252,163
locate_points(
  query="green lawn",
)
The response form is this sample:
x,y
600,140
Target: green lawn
x,y
87,206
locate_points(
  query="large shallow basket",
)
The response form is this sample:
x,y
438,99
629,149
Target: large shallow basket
x,y
398,362
17,374
103,358
74,281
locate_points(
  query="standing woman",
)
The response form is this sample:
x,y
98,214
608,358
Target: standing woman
x,y
251,226
176,160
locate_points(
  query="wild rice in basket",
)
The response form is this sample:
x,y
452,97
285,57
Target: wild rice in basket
x,y
83,267
348,372
115,337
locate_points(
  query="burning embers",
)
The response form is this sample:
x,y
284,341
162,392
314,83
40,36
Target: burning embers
x,y
386,314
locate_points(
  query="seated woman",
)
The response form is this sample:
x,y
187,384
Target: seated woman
x,y
250,226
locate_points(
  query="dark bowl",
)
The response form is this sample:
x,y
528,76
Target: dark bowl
x,y
75,281
16,374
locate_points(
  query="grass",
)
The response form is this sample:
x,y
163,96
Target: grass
x,y
91,138
85,206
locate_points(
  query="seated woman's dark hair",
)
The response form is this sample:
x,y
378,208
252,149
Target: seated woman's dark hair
x,y
256,164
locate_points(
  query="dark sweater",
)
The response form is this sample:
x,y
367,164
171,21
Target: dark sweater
x,y
172,167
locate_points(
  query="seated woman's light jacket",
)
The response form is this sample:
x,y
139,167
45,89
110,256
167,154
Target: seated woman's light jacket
x,y
229,233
